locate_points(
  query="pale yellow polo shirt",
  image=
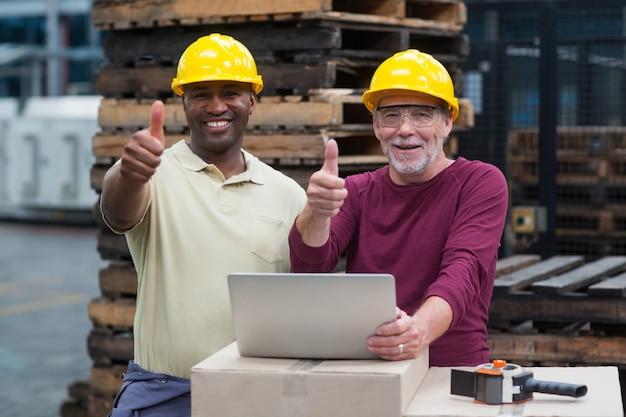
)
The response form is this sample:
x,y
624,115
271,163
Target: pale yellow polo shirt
x,y
198,228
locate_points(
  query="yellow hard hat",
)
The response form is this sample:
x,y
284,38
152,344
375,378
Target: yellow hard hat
x,y
411,71
216,57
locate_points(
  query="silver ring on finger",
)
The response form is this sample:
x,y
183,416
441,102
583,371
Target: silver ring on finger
x,y
400,348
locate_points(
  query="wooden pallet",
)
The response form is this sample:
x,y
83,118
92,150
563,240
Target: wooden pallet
x,y
570,348
288,133
110,342
108,347
298,41
117,313
287,114
358,153
292,58
562,289
590,187
111,246
335,110
590,195
588,140
607,220
154,81
280,79
286,149
104,383
117,15
77,402
570,168
593,244
321,114
559,311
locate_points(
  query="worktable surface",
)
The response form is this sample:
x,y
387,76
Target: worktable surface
x,y
603,398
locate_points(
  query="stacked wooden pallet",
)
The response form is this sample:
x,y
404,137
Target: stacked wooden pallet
x,y
316,58
591,186
560,311
436,14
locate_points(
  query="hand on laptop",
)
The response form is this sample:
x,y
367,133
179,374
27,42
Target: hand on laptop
x,y
397,340
407,336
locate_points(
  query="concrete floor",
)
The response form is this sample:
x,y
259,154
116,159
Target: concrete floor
x,y
48,275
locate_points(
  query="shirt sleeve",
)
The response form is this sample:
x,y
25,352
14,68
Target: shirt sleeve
x,y
325,258
305,258
469,256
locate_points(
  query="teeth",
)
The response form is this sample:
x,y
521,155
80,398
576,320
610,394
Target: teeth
x,y
217,124
408,145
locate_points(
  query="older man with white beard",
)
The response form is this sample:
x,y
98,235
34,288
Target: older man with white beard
x,y
433,222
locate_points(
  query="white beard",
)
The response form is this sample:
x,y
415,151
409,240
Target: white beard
x,y
410,166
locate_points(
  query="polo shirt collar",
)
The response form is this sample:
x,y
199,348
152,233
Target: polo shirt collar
x,y
193,162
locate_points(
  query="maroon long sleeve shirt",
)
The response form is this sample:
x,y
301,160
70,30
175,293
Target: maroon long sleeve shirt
x,y
438,238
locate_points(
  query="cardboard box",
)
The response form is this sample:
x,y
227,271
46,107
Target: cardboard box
x,y
603,398
229,385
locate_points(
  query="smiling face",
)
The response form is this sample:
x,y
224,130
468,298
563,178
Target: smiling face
x,y
414,143
217,114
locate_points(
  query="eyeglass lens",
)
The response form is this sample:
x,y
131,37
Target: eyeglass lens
x,y
419,115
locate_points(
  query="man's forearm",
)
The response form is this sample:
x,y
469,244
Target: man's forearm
x,y
314,230
435,317
123,201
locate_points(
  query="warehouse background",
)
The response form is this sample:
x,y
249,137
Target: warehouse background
x,y
542,86
49,52
547,81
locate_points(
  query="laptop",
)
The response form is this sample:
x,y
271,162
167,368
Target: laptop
x,y
309,316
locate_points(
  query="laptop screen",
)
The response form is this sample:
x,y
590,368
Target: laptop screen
x,y
309,316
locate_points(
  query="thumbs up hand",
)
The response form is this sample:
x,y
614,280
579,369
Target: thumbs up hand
x,y
331,158
157,115
325,195
326,191
142,154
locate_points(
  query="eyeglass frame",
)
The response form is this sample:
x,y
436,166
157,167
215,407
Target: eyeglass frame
x,y
434,109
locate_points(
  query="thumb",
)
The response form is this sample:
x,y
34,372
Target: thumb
x,y
157,114
331,158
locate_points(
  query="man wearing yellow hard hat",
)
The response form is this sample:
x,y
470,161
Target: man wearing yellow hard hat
x,y
191,214
433,222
